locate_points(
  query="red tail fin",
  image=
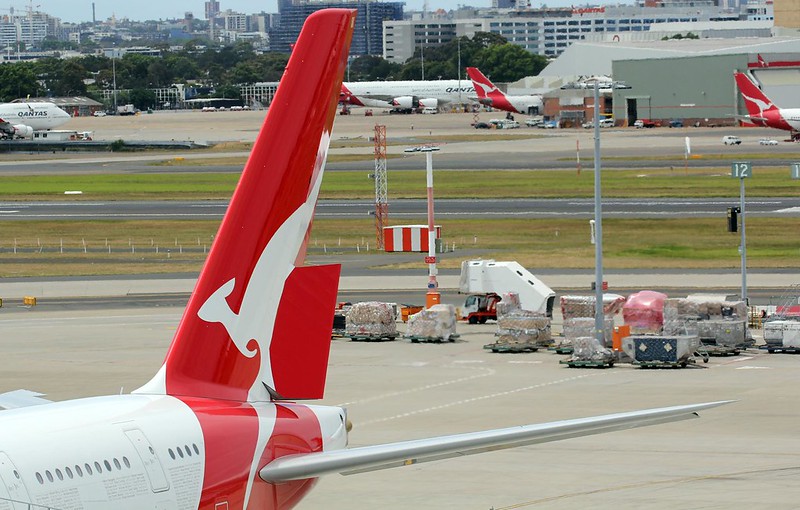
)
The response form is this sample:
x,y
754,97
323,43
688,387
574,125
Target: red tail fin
x,y
483,86
755,101
257,323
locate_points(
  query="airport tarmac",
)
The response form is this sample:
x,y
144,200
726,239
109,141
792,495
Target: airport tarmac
x,y
739,456
538,148
743,455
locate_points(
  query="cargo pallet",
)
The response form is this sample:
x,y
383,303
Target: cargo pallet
x,y
511,347
372,338
587,364
561,350
432,339
721,350
665,364
778,348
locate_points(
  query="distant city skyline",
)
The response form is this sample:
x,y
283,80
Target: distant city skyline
x,y
81,10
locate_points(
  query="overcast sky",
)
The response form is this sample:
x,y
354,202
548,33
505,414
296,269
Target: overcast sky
x,y
81,10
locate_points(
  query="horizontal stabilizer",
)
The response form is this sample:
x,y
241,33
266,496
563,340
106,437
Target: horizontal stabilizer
x,y
371,458
21,398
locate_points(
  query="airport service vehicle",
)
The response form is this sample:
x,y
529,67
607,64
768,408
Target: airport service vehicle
x,y
126,109
20,120
646,123
763,112
604,123
731,140
406,96
479,308
430,110
768,141
490,95
218,426
483,278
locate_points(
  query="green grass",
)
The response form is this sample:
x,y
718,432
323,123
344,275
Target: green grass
x,y
179,246
700,183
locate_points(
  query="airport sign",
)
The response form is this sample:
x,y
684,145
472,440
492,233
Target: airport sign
x,y
795,170
741,169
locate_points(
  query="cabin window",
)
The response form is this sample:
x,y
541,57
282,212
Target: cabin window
x,y
126,462
39,478
117,464
88,469
172,454
98,468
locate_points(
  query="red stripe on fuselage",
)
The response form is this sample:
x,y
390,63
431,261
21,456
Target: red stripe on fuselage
x,y
297,430
230,435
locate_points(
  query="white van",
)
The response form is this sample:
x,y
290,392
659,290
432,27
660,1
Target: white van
x,y
607,123
731,140
430,110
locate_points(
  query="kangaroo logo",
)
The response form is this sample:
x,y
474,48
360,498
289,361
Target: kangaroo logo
x,y
255,321
761,105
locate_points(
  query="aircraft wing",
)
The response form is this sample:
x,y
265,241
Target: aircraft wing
x,y
750,118
371,458
377,97
21,398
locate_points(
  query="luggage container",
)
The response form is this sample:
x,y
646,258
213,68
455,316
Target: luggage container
x,y
654,350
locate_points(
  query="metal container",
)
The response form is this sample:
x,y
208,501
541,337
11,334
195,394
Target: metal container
x,y
665,349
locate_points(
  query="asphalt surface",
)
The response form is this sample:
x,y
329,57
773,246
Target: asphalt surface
x,y
408,208
110,335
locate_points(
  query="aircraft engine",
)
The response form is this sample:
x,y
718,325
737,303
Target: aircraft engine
x,y
405,102
429,102
23,131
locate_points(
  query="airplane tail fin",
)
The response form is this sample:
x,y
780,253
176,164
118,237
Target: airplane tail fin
x,y
755,101
257,326
483,85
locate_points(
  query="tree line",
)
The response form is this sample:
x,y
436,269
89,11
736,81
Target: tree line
x,y
222,70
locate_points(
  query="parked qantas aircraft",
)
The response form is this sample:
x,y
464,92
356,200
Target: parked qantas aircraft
x,y
763,112
406,95
20,120
490,95
216,428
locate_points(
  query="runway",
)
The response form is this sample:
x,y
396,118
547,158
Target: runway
x,y
411,209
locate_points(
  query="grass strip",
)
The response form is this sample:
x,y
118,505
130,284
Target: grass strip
x,y
60,248
499,184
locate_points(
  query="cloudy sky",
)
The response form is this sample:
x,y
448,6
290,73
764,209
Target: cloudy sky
x,y
81,10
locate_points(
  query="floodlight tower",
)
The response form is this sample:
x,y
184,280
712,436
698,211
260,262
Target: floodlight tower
x,y
381,194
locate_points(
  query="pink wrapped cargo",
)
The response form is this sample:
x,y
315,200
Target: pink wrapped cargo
x,y
644,311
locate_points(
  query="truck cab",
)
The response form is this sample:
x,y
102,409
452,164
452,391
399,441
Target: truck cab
x,y
479,308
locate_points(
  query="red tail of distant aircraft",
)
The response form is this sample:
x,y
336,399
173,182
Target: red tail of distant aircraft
x,y
763,112
490,95
215,428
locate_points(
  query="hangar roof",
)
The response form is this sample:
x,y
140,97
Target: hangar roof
x,y
594,58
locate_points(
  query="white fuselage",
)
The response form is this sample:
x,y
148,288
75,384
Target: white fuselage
x,y
378,94
39,116
126,452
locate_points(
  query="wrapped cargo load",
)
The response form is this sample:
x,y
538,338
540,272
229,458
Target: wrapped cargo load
x,y
371,319
587,348
583,306
539,337
656,349
437,323
523,319
509,302
520,331
679,308
578,327
644,311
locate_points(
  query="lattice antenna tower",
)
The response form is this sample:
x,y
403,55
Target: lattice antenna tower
x,y
381,195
